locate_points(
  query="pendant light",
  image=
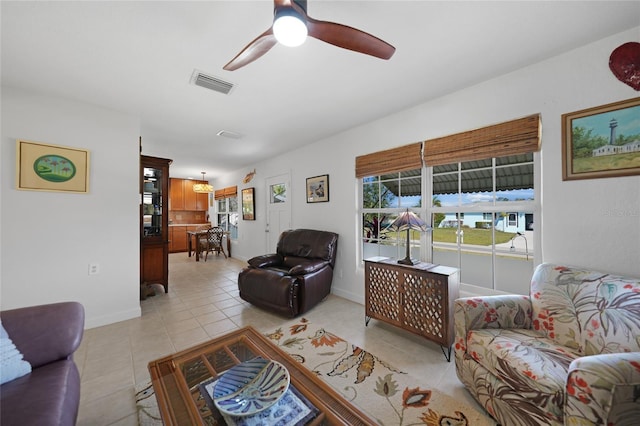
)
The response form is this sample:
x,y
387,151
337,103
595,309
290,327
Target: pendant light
x,y
202,188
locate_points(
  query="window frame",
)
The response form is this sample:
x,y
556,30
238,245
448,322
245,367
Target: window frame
x,y
227,224
399,242
493,209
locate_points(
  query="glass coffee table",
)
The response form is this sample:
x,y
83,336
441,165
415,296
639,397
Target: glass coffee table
x,y
177,378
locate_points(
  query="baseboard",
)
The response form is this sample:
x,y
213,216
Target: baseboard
x,y
357,298
112,318
468,290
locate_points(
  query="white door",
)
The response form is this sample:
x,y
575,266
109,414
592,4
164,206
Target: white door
x,y
278,193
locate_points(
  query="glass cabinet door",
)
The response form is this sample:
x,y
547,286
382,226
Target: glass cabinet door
x,y
152,202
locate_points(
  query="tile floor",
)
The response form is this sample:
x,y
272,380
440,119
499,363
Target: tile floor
x,y
202,303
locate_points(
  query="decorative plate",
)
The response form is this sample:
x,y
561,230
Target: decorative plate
x,y
251,387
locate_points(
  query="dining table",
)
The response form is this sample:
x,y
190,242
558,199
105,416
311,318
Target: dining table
x,y
194,236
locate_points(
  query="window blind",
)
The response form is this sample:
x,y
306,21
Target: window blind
x,y
399,159
514,137
230,191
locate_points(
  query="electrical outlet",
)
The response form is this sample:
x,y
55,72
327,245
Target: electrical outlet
x,y
94,268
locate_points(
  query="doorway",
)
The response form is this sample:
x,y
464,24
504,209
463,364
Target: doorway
x,y
278,192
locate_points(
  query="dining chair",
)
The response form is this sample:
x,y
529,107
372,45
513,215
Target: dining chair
x,y
213,242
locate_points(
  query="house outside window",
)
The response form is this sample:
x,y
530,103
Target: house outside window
x,y
489,202
228,215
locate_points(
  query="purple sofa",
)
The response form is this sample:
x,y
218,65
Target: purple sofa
x,y
47,336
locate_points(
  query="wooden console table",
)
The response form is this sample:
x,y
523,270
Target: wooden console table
x,y
416,298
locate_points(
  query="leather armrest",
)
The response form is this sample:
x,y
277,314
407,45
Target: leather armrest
x,y
308,267
265,260
45,333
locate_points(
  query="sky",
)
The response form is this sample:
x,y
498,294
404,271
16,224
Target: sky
x,y
628,122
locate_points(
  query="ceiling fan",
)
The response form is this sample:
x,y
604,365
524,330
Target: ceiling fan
x,y
295,12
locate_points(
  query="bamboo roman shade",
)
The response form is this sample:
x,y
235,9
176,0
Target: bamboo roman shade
x,y
230,191
514,137
405,157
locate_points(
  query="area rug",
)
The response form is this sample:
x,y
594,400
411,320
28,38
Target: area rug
x,y
386,394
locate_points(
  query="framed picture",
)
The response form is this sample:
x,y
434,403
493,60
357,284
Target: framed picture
x,y
48,167
602,142
318,189
248,204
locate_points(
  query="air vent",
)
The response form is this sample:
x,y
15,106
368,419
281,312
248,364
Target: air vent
x,y
210,82
228,134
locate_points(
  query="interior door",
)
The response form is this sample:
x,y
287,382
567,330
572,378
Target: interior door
x,y
278,192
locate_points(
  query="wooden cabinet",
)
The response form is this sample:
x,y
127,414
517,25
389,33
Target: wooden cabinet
x,y
178,236
202,200
416,298
189,196
176,194
183,198
154,223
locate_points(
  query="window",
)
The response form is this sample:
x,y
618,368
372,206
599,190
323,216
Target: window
x,y
228,215
384,197
480,213
278,193
227,208
482,207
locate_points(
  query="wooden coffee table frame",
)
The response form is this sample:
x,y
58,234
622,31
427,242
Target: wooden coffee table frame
x,y
175,376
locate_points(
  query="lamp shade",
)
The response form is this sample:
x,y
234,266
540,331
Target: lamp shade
x,y
407,221
202,188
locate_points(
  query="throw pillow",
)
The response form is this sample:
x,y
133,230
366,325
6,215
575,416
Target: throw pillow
x,y
12,365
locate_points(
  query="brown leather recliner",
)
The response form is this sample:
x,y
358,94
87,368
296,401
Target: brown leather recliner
x,y
295,278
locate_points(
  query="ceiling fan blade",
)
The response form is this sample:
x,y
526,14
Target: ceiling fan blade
x,y
258,47
349,38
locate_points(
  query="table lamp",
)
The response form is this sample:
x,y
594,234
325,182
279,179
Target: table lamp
x,y
407,221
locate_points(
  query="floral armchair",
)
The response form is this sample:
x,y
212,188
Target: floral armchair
x,y
569,353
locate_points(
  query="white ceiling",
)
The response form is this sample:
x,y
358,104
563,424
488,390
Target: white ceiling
x,y
138,58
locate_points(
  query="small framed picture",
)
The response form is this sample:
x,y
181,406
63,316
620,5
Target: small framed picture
x,y
318,189
49,167
603,141
248,204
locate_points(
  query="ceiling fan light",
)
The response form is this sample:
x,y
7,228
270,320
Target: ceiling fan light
x,y
289,29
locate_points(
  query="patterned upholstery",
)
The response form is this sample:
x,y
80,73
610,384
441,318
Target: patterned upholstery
x,y
569,353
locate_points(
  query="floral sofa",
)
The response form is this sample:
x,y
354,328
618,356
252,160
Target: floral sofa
x,y
569,353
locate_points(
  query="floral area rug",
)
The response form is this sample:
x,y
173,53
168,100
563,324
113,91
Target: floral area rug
x,y
386,394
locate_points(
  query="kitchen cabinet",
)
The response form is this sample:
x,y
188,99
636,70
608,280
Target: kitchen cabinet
x,y
178,238
417,298
154,224
176,194
183,198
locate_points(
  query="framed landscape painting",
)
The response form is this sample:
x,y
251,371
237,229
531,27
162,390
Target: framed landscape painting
x,y
602,141
48,167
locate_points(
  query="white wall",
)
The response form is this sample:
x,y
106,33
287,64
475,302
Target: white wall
x,y
593,223
49,238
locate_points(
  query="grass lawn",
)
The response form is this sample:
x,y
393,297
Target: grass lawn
x,y
479,237
607,162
